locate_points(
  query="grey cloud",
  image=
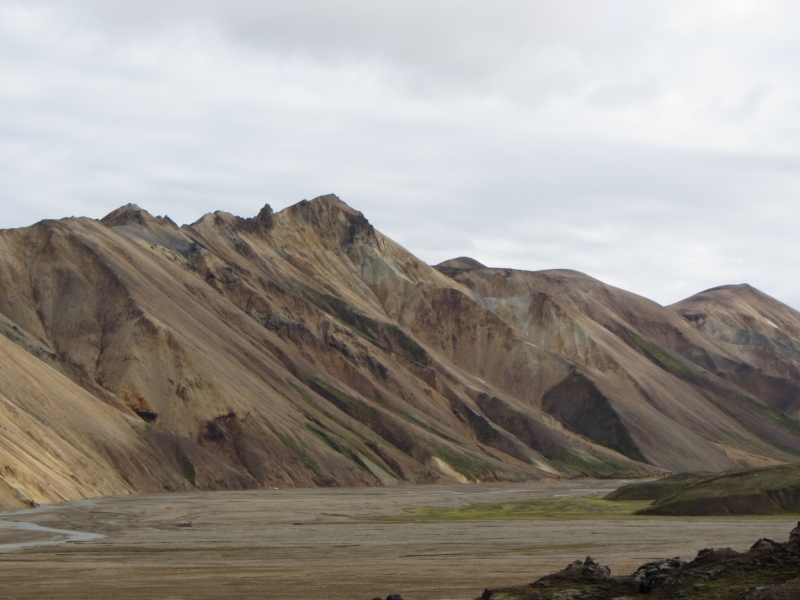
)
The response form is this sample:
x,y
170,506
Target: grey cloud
x,y
470,45
653,145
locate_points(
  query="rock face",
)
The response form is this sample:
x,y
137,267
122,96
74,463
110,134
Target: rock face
x,y
304,348
769,570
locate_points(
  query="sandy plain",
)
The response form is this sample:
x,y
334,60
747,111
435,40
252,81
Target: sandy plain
x,y
330,543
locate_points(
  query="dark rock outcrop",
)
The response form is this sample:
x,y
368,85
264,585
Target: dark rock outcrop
x,y
769,570
264,221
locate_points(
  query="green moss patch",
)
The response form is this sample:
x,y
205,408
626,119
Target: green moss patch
x,y
773,415
661,357
388,336
469,466
358,409
187,467
593,466
335,443
561,509
309,462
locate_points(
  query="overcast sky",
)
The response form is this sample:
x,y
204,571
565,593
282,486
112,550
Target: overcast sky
x,y
653,145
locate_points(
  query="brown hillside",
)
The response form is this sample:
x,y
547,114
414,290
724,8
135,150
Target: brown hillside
x,y
59,443
762,333
651,368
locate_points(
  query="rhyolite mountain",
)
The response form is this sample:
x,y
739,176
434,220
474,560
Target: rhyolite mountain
x,y
304,348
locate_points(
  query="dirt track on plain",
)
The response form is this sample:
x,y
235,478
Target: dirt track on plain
x,y
331,543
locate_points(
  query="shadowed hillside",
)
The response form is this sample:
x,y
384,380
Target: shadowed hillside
x,y
304,348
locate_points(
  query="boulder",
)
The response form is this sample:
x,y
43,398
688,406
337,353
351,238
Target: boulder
x,y
794,536
765,544
653,574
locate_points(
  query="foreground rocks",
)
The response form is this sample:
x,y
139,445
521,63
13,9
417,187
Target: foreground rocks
x,y
769,570
764,491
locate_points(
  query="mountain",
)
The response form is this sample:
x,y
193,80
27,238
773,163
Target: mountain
x,y
304,348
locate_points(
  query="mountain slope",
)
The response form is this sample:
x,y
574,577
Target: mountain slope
x,y
762,333
658,373
305,348
59,443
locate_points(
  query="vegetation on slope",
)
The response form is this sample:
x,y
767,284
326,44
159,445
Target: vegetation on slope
x,y
765,491
546,509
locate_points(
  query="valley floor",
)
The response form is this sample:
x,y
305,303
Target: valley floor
x,y
343,544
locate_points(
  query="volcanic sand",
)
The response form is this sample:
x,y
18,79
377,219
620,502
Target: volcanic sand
x,y
334,543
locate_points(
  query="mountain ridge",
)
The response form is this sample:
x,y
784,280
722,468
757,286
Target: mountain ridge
x,y
303,347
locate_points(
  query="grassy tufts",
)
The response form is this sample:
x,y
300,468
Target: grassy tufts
x,y
406,344
187,467
331,440
661,357
387,336
309,462
773,415
591,508
593,466
470,467
356,408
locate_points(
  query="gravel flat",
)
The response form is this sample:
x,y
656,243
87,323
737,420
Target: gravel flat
x,y
331,543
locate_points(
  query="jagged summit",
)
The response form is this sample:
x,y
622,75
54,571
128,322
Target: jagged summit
x,y
331,218
261,223
324,203
311,210
326,200
327,213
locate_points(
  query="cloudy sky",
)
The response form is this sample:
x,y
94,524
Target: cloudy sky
x,y
654,145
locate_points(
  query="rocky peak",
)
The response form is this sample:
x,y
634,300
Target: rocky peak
x,y
263,222
333,218
130,214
